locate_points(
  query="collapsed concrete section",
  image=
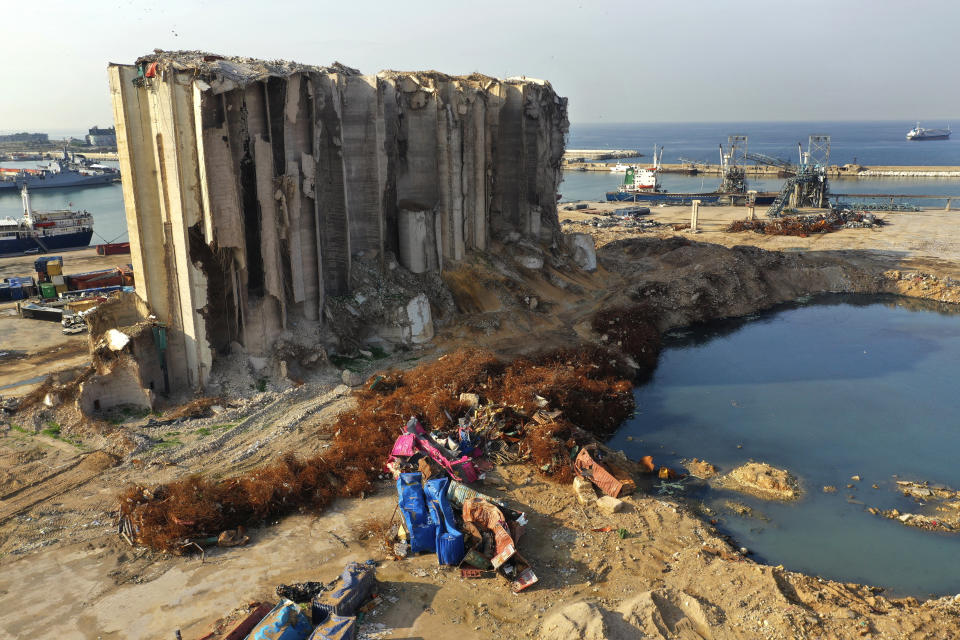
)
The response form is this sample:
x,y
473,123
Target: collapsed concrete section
x,y
252,188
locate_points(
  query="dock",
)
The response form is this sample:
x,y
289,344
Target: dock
x,y
594,155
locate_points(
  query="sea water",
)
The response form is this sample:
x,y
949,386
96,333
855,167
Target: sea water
x,y
828,389
593,185
866,143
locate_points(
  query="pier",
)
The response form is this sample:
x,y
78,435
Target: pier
x,y
592,155
833,171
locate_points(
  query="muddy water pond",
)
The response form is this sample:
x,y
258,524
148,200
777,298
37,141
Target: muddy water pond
x,y
828,388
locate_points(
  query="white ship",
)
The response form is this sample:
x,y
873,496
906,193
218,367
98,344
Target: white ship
x,y
919,133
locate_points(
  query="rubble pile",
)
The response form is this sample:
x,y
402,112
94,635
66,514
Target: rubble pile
x,y
942,500
618,222
468,391
805,225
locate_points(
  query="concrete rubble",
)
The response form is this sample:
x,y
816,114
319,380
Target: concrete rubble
x,y
254,188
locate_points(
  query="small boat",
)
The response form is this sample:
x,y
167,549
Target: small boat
x,y
620,168
919,133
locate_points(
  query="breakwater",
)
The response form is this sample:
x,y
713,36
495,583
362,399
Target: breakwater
x,y
833,171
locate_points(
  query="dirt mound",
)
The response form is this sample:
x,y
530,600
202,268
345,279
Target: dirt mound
x,y
577,621
632,330
662,613
762,480
701,469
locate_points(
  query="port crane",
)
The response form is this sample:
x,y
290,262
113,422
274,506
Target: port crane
x,y
808,187
732,161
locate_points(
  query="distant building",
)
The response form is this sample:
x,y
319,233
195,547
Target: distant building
x,y
98,137
41,138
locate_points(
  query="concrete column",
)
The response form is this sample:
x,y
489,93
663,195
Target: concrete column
x,y
141,197
179,184
751,212
413,235
364,162
949,202
694,215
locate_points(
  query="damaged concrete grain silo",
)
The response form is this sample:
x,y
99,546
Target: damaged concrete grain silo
x,y
253,188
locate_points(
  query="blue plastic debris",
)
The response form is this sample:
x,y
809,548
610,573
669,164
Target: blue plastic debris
x,y
356,583
450,545
336,628
284,622
416,517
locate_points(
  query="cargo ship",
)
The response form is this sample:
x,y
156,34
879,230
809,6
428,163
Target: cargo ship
x,y
44,231
58,174
919,133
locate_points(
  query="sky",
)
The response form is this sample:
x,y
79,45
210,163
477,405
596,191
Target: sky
x,y
616,61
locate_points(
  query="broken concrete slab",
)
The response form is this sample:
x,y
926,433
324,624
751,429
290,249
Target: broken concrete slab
x,y
584,490
609,505
583,250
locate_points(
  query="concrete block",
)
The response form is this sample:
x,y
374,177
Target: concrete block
x,y
351,378
584,490
609,505
470,399
411,323
421,322
529,261
583,250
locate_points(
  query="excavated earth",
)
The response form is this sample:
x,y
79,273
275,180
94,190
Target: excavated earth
x,y
65,573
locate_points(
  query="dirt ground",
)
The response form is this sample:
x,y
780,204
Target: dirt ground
x,y
65,573
31,349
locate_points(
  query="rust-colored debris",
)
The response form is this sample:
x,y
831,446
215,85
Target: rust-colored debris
x,y
587,384
803,226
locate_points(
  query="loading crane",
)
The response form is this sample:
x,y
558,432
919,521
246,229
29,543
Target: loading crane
x,y
732,162
809,187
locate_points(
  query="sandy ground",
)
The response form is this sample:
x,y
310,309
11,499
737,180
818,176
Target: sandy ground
x,y
64,573
916,238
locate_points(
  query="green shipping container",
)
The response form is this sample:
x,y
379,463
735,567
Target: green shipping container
x,y
48,290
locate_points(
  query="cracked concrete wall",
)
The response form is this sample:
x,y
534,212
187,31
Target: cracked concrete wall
x,y
252,186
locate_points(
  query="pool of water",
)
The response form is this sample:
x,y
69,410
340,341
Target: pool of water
x,y
828,388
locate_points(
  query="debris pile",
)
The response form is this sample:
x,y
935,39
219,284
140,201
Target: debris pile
x,y
805,225
589,384
312,610
635,223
